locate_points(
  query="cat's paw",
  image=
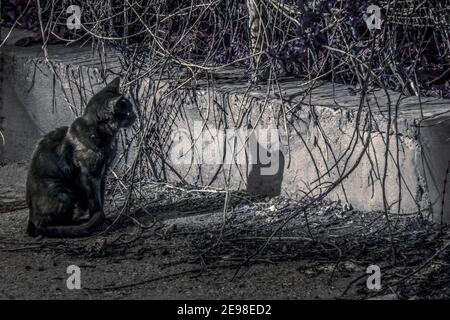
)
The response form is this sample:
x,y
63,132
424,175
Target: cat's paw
x,y
80,215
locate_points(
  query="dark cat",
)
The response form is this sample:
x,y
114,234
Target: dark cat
x,y
66,178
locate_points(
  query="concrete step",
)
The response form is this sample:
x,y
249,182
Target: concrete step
x,y
316,132
316,129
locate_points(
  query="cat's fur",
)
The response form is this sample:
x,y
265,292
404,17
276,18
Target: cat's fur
x,y
66,177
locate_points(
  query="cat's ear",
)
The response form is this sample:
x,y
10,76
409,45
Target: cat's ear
x,y
113,101
114,84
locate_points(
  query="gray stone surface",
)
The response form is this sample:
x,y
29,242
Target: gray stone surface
x,y
422,158
34,100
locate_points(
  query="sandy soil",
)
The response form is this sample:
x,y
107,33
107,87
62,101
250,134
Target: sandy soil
x,y
37,270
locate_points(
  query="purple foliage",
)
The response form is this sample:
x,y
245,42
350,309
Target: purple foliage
x,y
330,38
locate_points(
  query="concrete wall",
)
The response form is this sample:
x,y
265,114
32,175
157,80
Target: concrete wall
x,y
309,162
35,101
35,104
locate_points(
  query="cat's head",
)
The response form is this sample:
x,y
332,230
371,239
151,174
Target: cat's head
x,y
111,107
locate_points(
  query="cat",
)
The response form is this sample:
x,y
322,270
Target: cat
x,y
65,186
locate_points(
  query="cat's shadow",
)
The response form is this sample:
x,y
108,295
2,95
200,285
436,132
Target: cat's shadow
x,y
265,176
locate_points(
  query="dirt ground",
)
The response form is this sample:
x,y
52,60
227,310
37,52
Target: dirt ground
x,y
182,246
41,274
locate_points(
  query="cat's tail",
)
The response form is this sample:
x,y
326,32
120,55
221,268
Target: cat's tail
x,y
77,231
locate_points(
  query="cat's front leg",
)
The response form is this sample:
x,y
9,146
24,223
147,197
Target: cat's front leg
x,y
97,190
102,190
92,188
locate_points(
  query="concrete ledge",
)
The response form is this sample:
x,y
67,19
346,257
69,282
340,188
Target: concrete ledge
x,y
318,149
34,104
